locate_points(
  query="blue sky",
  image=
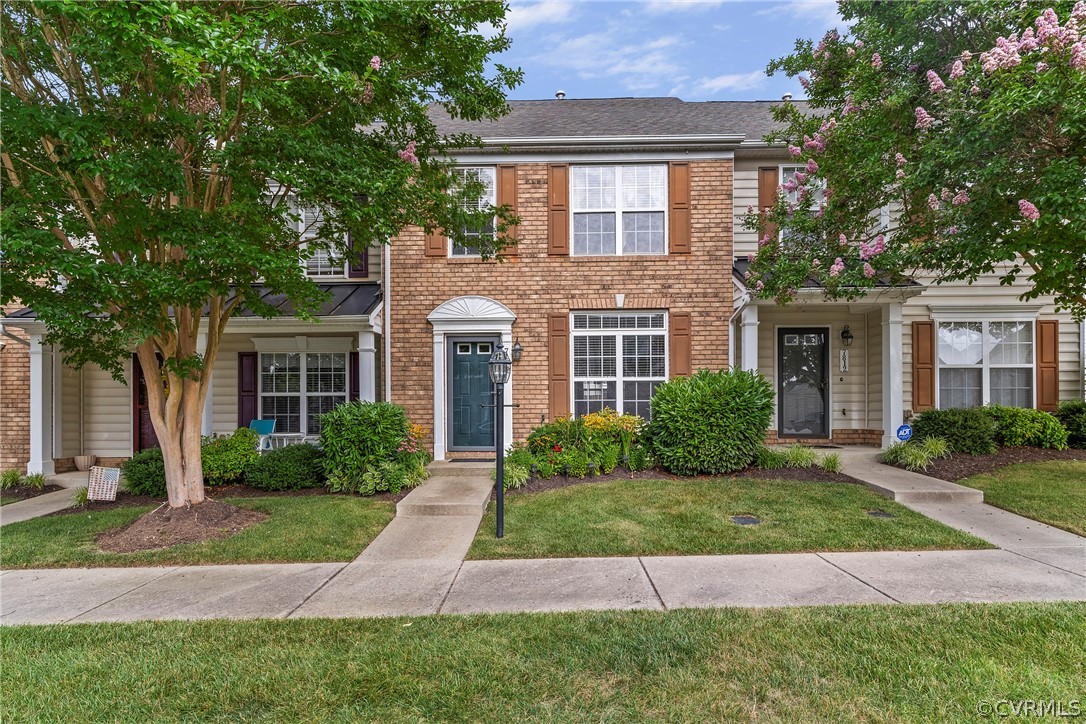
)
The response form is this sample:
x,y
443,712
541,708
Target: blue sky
x,y
693,49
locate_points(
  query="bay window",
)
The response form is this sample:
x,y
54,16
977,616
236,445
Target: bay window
x,y
618,361
982,363
296,388
613,203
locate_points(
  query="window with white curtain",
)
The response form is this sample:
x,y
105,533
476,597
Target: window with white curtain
x,y
488,198
618,361
986,363
619,210
296,388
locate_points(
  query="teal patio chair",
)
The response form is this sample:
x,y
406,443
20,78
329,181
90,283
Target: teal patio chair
x,y
264,430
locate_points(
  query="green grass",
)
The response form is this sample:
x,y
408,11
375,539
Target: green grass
x,y
1052,492
300,529
846,663
692,517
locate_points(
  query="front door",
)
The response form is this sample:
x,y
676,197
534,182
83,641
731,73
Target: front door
x,y
471,419
143,430
802,383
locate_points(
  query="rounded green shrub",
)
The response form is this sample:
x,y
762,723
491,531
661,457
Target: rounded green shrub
x,y
966,430
1024,426
711,422
225,460
145,473
369,447
1072,415
288,468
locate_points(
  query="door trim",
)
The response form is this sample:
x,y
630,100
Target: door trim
x,y
450,348
138,443
827,396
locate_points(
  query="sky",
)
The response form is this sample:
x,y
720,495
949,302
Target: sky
x,y
694,49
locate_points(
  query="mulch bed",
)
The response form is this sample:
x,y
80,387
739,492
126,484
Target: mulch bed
x,y
164,527
24,492
960,465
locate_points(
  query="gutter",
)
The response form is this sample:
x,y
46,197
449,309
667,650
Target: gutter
x,y
386,300
5,333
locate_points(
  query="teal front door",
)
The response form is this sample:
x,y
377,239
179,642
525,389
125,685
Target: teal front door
x,y
471,419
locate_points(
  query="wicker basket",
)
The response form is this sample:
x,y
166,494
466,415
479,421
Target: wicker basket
x,y
103,483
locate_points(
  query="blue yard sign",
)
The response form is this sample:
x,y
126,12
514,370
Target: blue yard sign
x,y
904,432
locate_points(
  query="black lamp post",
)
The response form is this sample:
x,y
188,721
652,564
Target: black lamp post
x,y
501,368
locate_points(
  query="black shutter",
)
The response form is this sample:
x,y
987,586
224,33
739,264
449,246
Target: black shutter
x,y
354,391
358,261
247,388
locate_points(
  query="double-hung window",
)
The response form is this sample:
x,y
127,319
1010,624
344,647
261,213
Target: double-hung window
x,y
982,363
316,252
619,358
486,199
296,388
619,210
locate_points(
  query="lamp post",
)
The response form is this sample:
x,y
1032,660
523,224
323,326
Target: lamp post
x,y
501,368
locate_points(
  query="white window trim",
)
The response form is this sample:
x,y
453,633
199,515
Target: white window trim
x,y
986,366
492,200
619,209
305,232
303,393
619,378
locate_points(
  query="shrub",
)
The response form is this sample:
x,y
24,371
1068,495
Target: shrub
x,y
969,430
145,473
227,459
553,437
712,422
1029,427
831,462
289,468
768,458
935,447
514,475
10,479
640,458
908,455
359,437
34,481
799,456
81,496
1072,415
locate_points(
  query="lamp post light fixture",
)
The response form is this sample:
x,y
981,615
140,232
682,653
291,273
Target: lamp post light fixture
x,y
501,369
846,337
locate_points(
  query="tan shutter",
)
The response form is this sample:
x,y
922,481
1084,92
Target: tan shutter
x,y
1048,364
558,374
768,180
558,209
680,344
507,196
679,207
437,244
923,366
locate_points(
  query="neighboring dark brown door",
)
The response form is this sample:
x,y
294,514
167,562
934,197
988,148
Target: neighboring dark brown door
x,y
141,424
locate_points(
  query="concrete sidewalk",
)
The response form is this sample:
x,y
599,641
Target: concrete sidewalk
x,y
416,567
48,503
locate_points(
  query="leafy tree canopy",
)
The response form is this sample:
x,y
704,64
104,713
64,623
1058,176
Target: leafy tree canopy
x,y
942,138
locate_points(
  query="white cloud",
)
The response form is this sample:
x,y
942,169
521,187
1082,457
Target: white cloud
x,y
708,87
658,7
823,12
637,66
526,16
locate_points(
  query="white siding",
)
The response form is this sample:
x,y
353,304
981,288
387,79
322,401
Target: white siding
x,y
874,370
70,396
107,413
745,193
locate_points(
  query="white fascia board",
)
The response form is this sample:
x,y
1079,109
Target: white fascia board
x,y
988,312
882,295
702,139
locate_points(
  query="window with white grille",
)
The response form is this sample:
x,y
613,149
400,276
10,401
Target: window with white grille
x,y
486,199
619,358
619,210
296,388
986,363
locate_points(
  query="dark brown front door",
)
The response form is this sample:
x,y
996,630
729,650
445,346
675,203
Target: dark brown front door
x,y
144,431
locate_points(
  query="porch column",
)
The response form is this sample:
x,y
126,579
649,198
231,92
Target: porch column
x,y
439,396
893,390
41,408
206,414
749,326
367,366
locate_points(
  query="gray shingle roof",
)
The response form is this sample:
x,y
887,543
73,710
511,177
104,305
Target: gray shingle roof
x,y
595,117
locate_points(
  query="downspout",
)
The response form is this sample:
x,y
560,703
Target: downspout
x,y
5,333
386,271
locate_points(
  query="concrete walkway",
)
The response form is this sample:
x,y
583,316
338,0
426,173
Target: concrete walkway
x,y
416,567
45,504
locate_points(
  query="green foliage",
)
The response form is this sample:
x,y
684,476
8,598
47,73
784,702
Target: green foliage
x,y
831,462
226,460
711,422
1072,415
292,467
800,456
969,430
769,458
935,447
145,473
1026,426
917,454
870,94
795,456
370,447
10,479
640,458
34,481
81,496
514,475
595,444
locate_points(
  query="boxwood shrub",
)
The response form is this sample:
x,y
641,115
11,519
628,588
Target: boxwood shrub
x,y
711,422
145,473
292,467
1072,415
1026,426
969,430
226,459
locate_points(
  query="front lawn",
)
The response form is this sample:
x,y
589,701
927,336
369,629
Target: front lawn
x,y
845,663
1052,492
301,529
693,517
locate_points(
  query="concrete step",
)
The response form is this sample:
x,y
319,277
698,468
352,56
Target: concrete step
x,y
448,495
453,469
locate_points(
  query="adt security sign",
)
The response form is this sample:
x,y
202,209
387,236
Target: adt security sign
x,y
904,432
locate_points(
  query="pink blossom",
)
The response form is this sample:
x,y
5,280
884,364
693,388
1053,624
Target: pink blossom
x,y
966,56
375,63
933,202
803,81
868,251
799,176
900,159
850,107
759,285
746,275
842,240
794,151
830,123
750,209
408,153
812,166
752,257
1028,41
961,198
838,267
975,90
869,271
1078,56
952,231
945,194
876,60
763,241
1042,67
816,263
900,173
1028,210
1079,11
923,119
821,211
850,52
815,144
956,70
789,186
935,83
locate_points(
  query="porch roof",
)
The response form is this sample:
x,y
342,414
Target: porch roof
x,y
740,267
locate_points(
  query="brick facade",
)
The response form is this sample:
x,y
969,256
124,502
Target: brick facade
x,y
534,284
838,436
14,400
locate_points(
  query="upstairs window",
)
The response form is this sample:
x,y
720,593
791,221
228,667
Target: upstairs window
x,y
486,199
619,210
316,256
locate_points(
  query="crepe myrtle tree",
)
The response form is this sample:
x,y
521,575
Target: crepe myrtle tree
x,y
945,139
153,153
